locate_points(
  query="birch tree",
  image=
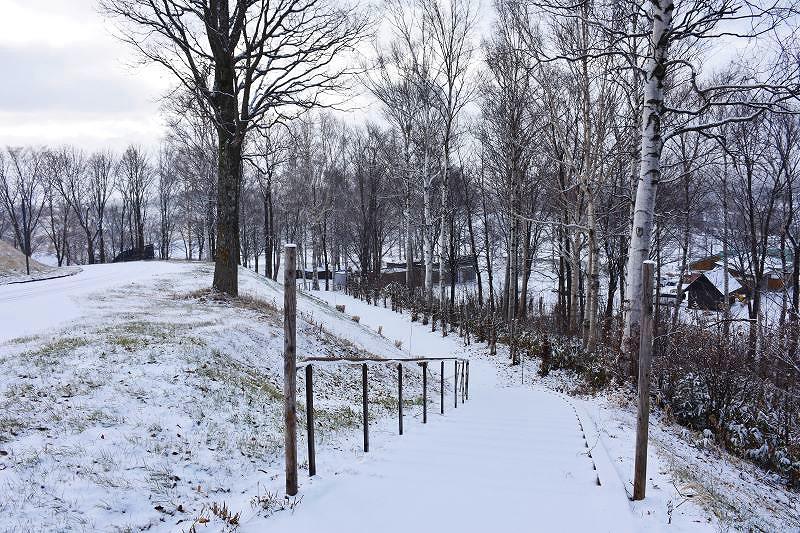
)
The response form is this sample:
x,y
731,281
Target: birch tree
x,y
451,24
396,86
100,175
751,92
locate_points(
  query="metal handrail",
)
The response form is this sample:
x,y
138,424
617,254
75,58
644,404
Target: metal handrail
x,y
308,362
358,360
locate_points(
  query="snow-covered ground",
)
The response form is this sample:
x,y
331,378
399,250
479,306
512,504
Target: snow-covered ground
x,y
692,484
132,398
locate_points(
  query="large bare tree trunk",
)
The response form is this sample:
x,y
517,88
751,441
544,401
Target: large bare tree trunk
x,y
226,278
408,192
575,281
593,300
443,237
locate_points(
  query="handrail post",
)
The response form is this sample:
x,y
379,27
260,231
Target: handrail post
x,y
455,383
400,395
461,379
365,406
290,367
424,392
645,354
441,386
312,459
467,383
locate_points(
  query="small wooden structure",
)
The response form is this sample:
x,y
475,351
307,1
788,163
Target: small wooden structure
x,y
706,290
136,254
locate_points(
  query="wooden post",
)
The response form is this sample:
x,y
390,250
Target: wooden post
x,y
455,383
441,386
312,457
364,405
645,354
424,392
400,395
290,367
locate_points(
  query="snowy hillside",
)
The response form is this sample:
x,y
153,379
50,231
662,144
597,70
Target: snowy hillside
x,y
131,398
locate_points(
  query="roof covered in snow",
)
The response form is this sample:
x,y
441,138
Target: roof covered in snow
x,y
717,278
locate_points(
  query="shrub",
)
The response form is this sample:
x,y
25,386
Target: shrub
x,y
340,308
356,318
744,399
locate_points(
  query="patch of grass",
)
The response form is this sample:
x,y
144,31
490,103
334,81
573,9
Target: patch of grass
x,y
136,334
239,377
9,427
258,444
50,353
335,418
24,340
261,305
58,346
127,343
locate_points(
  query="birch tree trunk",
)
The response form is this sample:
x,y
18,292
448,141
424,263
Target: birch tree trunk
x,y
443,235
575,281
649,175
593,300
427,236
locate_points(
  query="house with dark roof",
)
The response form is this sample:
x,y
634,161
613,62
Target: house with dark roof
x,y
706,290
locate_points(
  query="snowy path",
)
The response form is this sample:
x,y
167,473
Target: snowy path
x,y
510,459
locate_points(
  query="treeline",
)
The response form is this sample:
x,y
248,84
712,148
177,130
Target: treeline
x,y
85,208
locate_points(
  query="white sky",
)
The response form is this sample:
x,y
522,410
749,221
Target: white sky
x,y
68,80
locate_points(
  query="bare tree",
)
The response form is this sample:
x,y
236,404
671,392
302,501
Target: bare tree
x,y
70,178
750,91
100,170
167,189
269,153
23,194
451,24
135,179
246,61
395,85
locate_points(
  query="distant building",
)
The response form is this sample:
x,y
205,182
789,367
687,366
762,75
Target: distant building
x,y
774,278
395,272
136,254
706,290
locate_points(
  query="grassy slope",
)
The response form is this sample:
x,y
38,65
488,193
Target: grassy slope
x,y
167,406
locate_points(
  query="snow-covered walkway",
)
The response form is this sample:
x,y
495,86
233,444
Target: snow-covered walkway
x,y
510,459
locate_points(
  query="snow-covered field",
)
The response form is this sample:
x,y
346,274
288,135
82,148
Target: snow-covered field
x,y
132,398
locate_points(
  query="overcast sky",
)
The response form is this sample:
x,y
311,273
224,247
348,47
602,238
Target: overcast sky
x,y
68,80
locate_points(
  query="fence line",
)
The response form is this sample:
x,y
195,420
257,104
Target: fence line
x,y
460,386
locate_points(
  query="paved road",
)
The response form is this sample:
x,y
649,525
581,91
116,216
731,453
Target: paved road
x,y
31,308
